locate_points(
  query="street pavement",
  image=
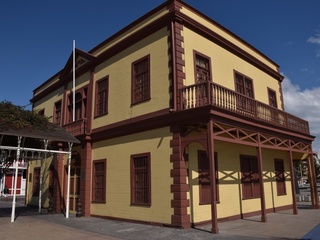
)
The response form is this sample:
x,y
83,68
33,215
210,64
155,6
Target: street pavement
x,y
30,224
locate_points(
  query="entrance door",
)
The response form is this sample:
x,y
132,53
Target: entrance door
x,y
74,186
74,181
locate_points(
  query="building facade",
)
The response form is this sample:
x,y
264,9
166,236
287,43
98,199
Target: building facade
x,y
181,122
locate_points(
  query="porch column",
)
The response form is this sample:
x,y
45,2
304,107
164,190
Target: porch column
x,y
293,184
214,221
85,180
261,183
313,182
58,183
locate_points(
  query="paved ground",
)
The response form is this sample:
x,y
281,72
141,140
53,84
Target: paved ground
x,y
29,224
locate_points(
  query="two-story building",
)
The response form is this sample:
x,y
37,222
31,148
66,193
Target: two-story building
x,y
181,122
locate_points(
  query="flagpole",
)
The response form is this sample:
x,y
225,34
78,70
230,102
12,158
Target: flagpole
x,y
74,81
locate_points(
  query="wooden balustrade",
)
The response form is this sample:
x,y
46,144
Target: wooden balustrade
x,y
76,128
208,93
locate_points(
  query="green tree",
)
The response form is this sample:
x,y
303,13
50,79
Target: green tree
x,y
14,117
17,118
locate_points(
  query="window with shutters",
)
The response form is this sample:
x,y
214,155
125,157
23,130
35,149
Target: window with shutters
x,y
102,97
140,80
140,179
204,177
99,181
249,177
280,177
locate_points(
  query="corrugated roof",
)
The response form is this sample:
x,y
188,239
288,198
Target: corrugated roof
x,y
56,133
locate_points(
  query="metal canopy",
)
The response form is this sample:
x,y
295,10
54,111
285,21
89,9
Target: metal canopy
x,y
55,134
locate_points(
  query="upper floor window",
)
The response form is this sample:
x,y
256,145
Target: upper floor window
x,y
202,67
80,105
141,80
141,179
244,98
41,112
57,112
272,98
244,85
102,97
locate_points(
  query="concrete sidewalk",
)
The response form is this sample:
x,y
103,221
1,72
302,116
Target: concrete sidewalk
x,y
29,224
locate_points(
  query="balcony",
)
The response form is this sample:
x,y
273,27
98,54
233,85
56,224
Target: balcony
x,y
77,127
208,93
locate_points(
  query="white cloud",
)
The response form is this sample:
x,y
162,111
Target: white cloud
x,y
304,104
315,40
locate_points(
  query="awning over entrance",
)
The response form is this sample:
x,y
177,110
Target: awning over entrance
x,y
36,141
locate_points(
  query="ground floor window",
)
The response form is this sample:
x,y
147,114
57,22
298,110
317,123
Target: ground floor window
x,y
204,177
141,179
99,181
249,177
280,177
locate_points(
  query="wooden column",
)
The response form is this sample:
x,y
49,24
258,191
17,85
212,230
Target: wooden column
x,y
213,182
313,182
261,183
293,184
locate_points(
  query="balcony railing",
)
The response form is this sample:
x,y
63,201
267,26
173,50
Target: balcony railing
x,y
209,93
76,128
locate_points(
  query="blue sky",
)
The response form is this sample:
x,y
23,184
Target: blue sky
x,y
36,40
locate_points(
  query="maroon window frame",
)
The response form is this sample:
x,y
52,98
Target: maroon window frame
x,y
80,105
141,179
204,177
280,177
140,80
99,180
244,86
57,112
250,179
102,90
202,66
272,98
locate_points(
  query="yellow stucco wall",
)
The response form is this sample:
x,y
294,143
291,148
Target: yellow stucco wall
x,y
47,103
117,152
37,163
223,65
131,31
119,70
230,189
215,28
